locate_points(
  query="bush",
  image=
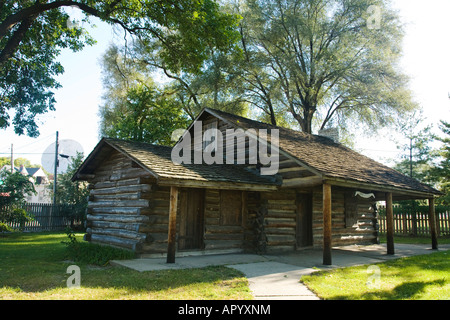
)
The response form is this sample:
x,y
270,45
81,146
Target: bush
x,y
90,253
15,216
5,228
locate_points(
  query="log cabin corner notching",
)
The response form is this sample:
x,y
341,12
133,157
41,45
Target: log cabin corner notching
x,y
323,195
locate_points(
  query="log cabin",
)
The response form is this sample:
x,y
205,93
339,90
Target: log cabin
x,y
322,194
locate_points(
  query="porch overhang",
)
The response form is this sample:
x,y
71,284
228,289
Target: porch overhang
x,y
379,190
382,193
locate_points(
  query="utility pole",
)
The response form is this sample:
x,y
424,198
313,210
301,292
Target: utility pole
x,y
12,159
55,176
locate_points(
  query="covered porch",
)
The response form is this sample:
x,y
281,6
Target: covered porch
x,y
387,194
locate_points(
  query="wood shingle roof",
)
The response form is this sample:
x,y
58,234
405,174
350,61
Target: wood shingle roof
x,y
330,159
157,160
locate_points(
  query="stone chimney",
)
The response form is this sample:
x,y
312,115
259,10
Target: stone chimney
x,y
330,133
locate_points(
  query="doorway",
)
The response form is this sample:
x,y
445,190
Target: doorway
x,y
304,232
191,204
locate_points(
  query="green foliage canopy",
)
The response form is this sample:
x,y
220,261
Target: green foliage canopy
x,y
16,186
69,192
442,170
32,34
134,107
323,62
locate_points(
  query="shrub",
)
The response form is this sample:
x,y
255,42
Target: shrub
x,y
15,216
5,228
90,253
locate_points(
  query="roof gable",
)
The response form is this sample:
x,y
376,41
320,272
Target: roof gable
x,y
331,160
157,161
327,160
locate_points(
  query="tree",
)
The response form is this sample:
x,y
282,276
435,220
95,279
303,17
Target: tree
x,y
73,193
145,116
134,107
323,62
5,161
417,152
442,170
32,34
14,187
214,85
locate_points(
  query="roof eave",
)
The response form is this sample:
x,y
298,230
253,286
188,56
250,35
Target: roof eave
x,y
400,192
82,176
224,185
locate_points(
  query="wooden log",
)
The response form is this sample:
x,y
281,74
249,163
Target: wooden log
x,y
222,244
116,210
223,236
432,223
136,181
390,224
280,222
114,225
119,196
122,189
223,229
276,239
128,174
327,224
118,233
119,203
173,207
118,218
111,240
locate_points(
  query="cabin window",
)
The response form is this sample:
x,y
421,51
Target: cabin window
x,y
230,208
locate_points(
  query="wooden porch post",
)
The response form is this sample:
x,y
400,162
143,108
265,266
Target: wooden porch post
x,y
432,222
326,224
390,224
173,206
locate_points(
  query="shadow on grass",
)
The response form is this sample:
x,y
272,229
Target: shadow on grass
x,y
404,291
35,263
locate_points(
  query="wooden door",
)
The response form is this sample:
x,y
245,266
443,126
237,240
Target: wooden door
x,y
191,204
304,220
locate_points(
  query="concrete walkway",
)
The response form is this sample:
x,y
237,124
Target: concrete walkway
x,y
276,277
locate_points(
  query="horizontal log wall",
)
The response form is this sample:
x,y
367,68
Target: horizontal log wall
x,y
218,236
280,220
157,225
363,232
118,209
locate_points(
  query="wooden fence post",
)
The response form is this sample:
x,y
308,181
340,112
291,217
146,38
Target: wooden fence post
x,y
390,224
432,223
171,246
327,224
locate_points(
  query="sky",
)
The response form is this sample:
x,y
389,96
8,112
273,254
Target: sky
x,y
426,59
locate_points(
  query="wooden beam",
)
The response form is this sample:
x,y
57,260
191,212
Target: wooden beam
x,y
302,182
432,222
173,206
326,224
184,183
390,224
397,191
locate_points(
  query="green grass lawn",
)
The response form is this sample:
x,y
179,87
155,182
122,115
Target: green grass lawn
x,y
34,266
425,277
415,240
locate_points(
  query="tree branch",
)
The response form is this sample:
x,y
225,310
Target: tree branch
x,y
14,41
28,15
